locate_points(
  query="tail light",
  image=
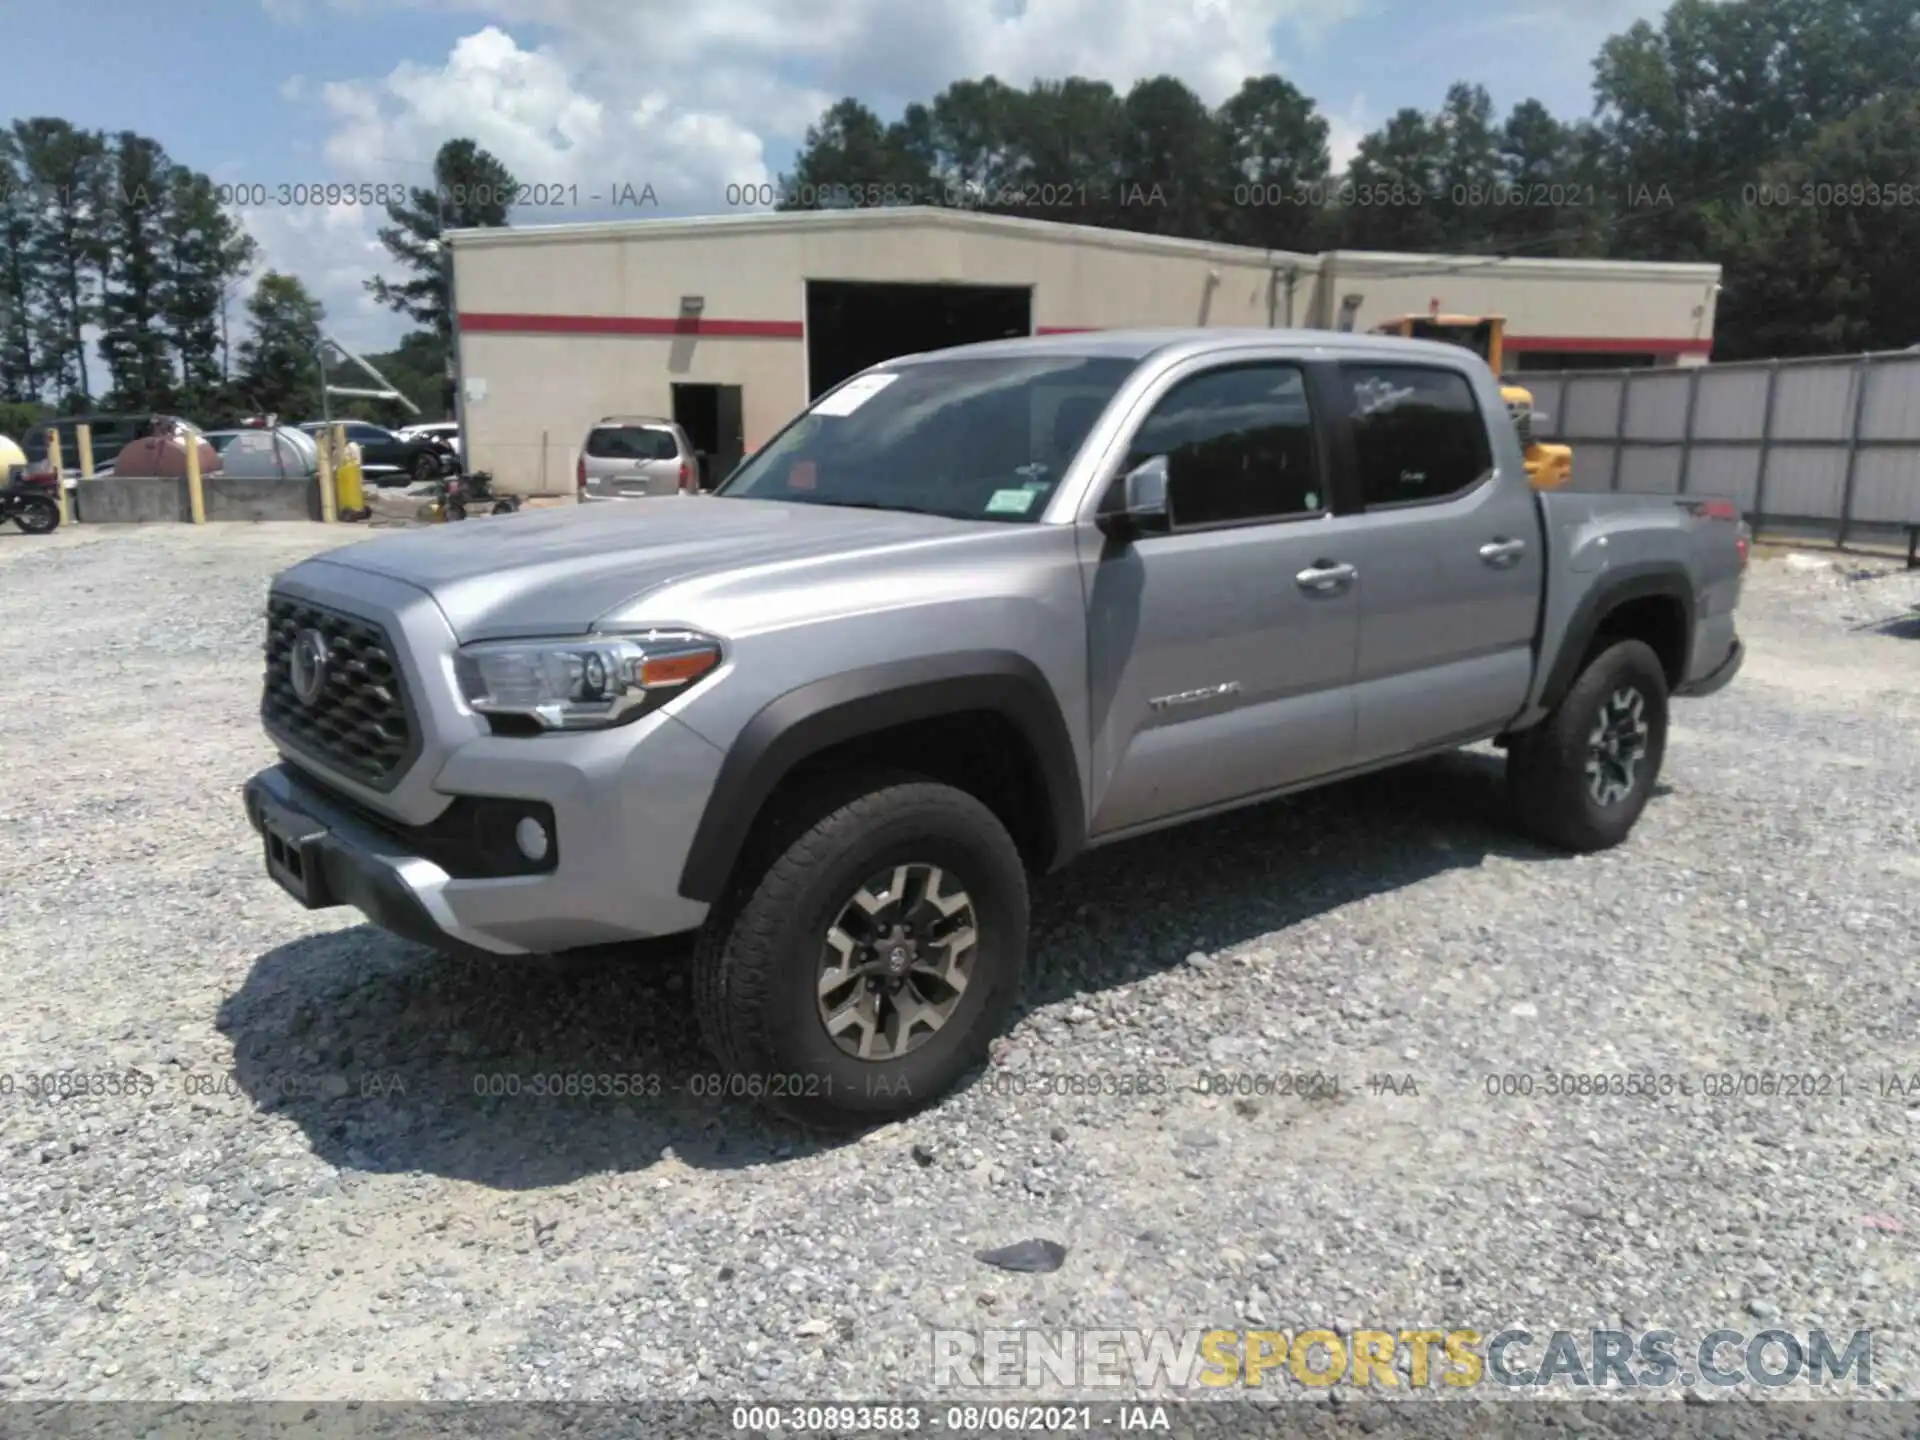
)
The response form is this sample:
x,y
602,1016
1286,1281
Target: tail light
x,y
1744,547
580,475
686,478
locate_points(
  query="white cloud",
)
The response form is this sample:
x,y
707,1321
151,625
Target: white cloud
x,y
713,94
332,249
1346,130
294,88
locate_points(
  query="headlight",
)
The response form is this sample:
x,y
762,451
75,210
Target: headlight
x,y
585,684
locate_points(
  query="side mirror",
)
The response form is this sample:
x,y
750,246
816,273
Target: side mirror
x,y
1138,504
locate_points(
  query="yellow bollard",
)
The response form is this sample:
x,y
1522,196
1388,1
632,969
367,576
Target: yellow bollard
x,y
84,434
325,443
59,474
196,494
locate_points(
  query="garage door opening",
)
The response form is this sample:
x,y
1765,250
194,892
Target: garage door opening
x,y
710,414
851,325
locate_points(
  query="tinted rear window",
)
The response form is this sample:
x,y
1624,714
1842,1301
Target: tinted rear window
x,y
631,442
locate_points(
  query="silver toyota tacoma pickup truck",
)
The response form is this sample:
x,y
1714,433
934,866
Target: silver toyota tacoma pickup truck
x,y
970,614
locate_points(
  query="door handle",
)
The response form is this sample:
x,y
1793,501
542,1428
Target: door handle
x,y
1324,577
1502,553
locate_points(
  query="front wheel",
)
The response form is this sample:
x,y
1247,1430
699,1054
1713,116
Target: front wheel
x,y
456,509
506,506
859,968
37,515
1580,778
425,467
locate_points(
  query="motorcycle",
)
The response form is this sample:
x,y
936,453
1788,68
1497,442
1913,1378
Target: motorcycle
x,y
31,505
464,494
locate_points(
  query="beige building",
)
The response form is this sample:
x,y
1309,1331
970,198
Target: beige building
x,y
731,325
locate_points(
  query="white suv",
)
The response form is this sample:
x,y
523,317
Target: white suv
x,y
628,456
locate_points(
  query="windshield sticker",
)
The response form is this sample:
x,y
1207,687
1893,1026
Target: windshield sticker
x,y
1371,397
1011,502
803,476
855,393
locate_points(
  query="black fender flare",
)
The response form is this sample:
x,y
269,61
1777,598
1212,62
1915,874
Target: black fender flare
x,y
812,718
1662,579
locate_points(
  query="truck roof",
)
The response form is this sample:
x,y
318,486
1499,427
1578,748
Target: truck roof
x,y
1138,344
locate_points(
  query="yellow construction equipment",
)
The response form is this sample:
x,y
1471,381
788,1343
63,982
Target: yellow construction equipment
x,y
1549,467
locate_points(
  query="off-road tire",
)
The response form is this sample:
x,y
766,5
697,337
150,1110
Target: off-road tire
x,y
1547,765
756,963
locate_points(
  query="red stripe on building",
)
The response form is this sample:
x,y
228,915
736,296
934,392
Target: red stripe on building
x,y
497,323
1595,345
632,325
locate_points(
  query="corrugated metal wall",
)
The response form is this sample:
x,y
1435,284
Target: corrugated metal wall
x,y
1831,442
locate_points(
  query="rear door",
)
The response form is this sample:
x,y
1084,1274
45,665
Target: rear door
x,y
1450,561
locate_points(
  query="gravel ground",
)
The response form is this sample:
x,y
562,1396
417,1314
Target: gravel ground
x,y
312,1202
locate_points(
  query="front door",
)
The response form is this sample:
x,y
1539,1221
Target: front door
x,y
1449,554
1221,652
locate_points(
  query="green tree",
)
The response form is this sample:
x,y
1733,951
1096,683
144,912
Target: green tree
x,y
1826,264
472,190
1277,165
133,342
204,253
975,127
1065,149
850,153
20,378
1394,182
1695,107
279,364
1468,195
1171,156
68,178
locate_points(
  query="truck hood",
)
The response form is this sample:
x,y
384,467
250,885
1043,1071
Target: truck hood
x,y
558,571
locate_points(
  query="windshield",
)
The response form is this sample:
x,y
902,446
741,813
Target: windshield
x,y
980,439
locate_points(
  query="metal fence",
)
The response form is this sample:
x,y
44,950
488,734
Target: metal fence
x,y
1827,446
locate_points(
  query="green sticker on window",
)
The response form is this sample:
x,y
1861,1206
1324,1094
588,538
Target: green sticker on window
x,y
1011,502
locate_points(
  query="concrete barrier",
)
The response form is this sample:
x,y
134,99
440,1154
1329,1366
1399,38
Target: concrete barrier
x,y
131,500
148,500
231,497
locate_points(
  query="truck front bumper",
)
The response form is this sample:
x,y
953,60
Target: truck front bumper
x,y
620,820
324,855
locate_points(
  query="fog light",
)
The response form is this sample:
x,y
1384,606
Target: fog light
x,y
531,836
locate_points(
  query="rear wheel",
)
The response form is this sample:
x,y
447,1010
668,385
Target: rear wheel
x,y
37,515
1581,777
456,509
506,506
864,960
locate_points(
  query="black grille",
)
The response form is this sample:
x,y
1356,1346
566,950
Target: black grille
x,y
359,723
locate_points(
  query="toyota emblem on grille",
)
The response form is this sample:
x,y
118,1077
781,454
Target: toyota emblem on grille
x,y
309,665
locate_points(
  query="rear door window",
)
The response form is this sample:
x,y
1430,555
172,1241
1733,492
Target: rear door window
x,y
1417,432
632,442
